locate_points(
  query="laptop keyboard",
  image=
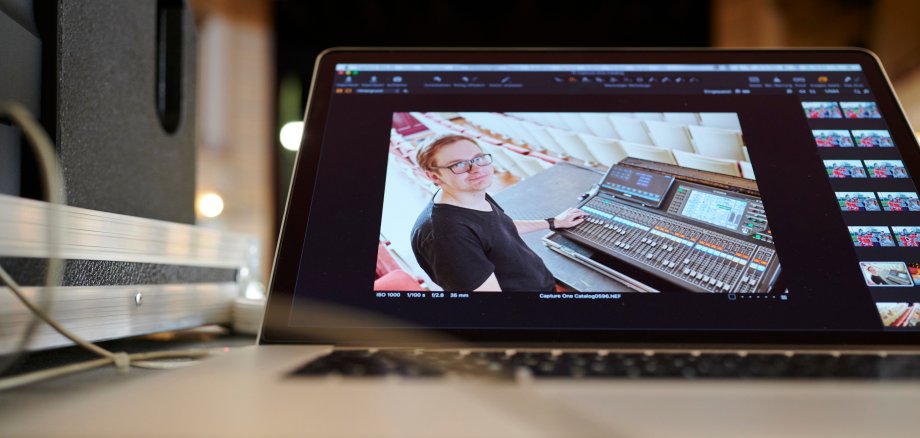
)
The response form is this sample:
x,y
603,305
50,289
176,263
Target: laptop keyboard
x,y
592,365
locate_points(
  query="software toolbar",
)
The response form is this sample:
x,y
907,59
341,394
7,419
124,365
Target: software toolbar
x,y
815,80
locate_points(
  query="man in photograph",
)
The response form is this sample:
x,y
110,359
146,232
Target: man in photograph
x,y
463,239
894,204
873,277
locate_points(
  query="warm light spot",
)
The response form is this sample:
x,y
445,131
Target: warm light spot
x,y
291,134
210,205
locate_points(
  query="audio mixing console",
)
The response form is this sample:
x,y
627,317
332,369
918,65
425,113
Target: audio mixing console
x,y
683,235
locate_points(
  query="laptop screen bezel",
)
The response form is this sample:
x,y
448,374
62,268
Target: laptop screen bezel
x,y
275,327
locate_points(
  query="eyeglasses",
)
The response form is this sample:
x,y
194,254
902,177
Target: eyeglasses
x,y
461,167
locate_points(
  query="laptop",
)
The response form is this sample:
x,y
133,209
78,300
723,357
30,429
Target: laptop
x,y
578,242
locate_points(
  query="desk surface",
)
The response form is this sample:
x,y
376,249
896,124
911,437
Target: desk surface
x,y
546,194
36,394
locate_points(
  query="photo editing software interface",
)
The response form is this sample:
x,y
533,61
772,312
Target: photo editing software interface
x,y
625,196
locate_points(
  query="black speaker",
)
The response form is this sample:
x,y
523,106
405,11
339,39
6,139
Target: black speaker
x,y
123,91
20,70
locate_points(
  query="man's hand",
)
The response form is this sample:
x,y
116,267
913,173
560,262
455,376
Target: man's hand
x,y
570,218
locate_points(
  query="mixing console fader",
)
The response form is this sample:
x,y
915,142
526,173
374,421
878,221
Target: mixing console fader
x,y
692,238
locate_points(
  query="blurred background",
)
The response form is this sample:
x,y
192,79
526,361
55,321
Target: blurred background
x,y
254,61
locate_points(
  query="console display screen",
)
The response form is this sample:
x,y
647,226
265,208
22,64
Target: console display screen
x,y
643,187
720,211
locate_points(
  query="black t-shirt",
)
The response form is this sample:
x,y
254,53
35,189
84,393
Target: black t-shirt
x,y
459,248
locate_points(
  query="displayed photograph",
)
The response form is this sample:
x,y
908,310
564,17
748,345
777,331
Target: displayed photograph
x,y
844,169
914,269
822,110
906,236
857,201
863,235
886,169
832,138
899,201
860,110
873,139
899,315
890,274
470,198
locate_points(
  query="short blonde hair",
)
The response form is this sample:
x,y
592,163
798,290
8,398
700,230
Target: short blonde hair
x,y
426,152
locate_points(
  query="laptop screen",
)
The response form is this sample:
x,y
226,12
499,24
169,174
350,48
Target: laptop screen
x,y
611,197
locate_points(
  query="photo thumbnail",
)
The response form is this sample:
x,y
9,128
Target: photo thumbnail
x,y
899,201
890,274
886,169
899,315
832,138
873,139
864,235
822,110
844,169
914,269
906,236
860,110
857,201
